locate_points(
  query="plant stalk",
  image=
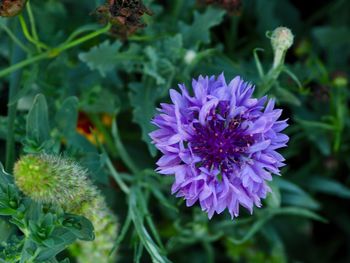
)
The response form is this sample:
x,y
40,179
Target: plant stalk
x,y
15,82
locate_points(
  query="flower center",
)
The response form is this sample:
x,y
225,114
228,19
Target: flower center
x,y
221,142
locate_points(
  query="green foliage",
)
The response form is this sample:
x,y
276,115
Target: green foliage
x,y
45,231
89,96
199,31
103,57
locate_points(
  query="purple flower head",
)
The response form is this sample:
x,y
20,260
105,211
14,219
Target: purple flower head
x,y
220,144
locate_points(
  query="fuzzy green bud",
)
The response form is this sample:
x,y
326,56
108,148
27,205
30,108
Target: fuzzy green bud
x,y
281,40
106,229
56,180
52,179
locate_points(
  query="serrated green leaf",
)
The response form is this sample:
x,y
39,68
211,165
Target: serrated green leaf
x,y
199,30
102,57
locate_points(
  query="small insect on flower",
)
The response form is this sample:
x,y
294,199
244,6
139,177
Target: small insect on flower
x,y
220,144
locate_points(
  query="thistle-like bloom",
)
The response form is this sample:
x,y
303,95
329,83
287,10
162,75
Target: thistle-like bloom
x,y
220,144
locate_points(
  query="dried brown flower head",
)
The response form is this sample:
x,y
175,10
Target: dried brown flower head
x,y
10,8
232,6
124,15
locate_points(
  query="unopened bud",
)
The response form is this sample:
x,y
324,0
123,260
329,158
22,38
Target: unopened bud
x,y
282,38
57,180
52,179
339,79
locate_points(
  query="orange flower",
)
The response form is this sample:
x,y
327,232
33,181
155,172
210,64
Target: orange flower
x,y
86,128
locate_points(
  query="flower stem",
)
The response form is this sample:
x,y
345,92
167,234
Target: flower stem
x,y
53,52
32,24
106,134
117,177
124,155
26,33
83,39
14,38
15,81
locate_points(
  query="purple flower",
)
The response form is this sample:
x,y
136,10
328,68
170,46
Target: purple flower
x,y
220,144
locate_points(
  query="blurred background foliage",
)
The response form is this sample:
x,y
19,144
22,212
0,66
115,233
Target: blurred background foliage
x,y
99,97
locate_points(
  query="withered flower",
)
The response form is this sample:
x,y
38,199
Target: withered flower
x,y
10,8
124,15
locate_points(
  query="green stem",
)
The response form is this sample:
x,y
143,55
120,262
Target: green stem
x,y
53,52
117,177
269,80
23,63
124,155
177,8
83,39
14,38
32,24
106,135
15,81
26,33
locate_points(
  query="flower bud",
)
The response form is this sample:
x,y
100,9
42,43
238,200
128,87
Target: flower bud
x,y
106,229
339,79
52,179
10,8
282,38
57,180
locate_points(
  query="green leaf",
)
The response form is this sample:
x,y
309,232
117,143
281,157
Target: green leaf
x,y
5,178
106,57
274,198
315,124
143,98
199,30
151,67
67,116
38,129
285,95
268,214
102,57
5,230
298,211
80,226
328,186
99,100
137,218
292,194
328,36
